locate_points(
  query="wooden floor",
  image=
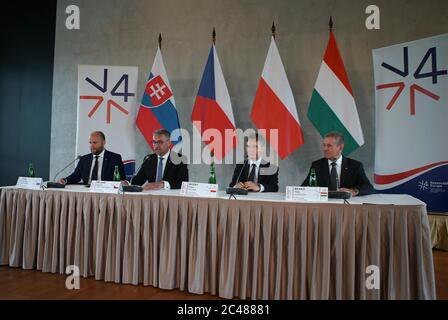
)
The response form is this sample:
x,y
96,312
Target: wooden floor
x,y
30,284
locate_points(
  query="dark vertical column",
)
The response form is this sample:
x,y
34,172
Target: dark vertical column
x,y
27,34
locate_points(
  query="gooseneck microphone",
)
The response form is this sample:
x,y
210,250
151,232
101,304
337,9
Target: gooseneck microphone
x,y
141,165
241,171
231,190
57,184
71,162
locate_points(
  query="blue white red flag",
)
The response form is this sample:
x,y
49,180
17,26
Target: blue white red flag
x,y
213,110
158,108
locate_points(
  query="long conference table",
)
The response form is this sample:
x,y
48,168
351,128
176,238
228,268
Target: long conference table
x,y
256,247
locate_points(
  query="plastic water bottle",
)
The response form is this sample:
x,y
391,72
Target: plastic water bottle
x,y
31,170
313,179
212,174
116,174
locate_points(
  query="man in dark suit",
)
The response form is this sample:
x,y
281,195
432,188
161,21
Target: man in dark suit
x,y
165,169
255,174
338,172
97,165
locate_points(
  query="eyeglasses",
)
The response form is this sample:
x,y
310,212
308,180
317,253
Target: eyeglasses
x,y
158,142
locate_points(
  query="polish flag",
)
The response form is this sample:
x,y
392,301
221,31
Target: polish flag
x,y
274,106
213,110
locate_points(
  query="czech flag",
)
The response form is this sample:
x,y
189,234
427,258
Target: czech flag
x,y
213,110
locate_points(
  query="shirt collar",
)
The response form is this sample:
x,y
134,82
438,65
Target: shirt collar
x,y
338,161
101,155
257,163
164,156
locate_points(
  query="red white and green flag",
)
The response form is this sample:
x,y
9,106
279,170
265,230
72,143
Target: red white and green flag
x,y
332,106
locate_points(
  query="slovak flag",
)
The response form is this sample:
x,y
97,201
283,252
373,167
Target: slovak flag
x,y
213,110
157,108
274,106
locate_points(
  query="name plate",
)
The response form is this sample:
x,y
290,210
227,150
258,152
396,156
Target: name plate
x,y
313,194
199,189
105,186
29,183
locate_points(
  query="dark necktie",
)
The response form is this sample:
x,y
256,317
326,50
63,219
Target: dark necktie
x,y
95,170
252,173
333,177
159,170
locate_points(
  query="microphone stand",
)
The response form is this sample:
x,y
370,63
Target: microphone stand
x,y
141,165
71,162
131,187
55,184
232,190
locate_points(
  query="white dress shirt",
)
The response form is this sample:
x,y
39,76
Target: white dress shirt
x,y
338,167
257,170
166,184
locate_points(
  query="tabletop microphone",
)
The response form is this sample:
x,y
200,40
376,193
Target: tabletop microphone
x,y
136,171
232,190
58,185
241,171
71,162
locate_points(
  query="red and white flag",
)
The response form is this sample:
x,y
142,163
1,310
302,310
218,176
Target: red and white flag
x,y
274,106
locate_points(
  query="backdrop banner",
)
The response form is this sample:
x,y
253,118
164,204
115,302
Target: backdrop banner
x,y
411,97
107,102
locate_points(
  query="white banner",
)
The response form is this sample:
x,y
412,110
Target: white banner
x,y
411,97
107,102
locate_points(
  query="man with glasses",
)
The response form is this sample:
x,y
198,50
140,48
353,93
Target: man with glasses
x,y
164,169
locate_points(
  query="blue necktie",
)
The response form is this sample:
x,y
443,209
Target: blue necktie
x,y
159,170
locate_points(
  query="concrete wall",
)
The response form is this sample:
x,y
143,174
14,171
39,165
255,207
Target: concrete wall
x,y
118,32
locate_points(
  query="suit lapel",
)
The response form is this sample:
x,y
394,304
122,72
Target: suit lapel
x,y
262,172
344,171
325,172
153,168
88,168
105,164
245,173
167,168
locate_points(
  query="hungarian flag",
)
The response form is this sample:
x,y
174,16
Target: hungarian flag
x,y
332,106
212,112
158,108
274,107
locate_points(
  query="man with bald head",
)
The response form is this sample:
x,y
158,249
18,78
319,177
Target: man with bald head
x,y
97,165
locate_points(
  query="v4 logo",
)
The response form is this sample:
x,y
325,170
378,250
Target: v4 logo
x,y
115,92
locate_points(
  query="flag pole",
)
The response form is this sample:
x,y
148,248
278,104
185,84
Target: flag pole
x,y
273,29
213,35
160,41
330,24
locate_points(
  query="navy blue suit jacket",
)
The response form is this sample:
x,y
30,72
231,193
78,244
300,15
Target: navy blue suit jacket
x,y
82,170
